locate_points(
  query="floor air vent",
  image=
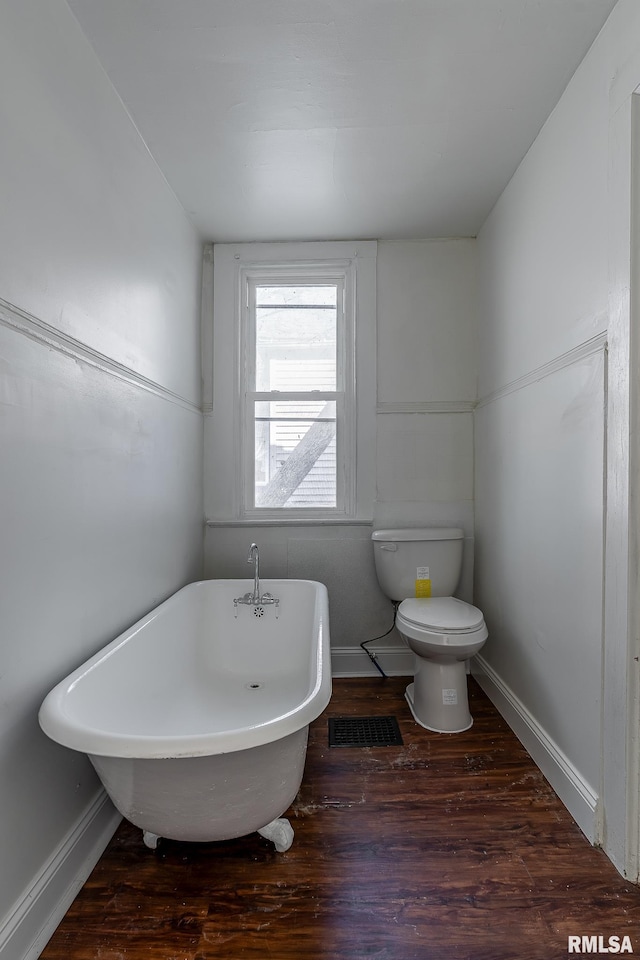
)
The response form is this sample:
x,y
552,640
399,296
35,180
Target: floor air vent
x,y
364,732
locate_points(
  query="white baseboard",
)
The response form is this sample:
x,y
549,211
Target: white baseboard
x,y
577,795
30,924
354,662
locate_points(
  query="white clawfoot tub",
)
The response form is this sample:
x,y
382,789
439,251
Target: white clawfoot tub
x,y
196,718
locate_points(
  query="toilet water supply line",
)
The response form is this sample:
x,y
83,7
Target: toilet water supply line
x,y
373,656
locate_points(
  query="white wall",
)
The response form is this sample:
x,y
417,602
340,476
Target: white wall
x,y
426,309
427,313
100,426
545,266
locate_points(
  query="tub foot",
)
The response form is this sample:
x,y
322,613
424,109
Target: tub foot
x,y
280,832
150,839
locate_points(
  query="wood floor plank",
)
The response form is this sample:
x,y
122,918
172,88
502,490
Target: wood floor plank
x,y
448,847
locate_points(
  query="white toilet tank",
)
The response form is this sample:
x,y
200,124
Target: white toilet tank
x,y
424,562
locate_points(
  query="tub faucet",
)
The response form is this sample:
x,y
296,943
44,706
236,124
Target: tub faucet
x,y
255,560
254,599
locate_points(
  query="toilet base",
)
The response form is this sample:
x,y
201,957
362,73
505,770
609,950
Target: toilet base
x,y
438,697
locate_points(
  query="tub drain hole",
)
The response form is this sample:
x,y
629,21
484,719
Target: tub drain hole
x,y
253,686
258,611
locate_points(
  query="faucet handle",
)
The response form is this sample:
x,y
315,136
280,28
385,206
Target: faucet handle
x,y
269,598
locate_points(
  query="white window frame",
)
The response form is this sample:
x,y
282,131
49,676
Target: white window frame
x,y
228,440
344,394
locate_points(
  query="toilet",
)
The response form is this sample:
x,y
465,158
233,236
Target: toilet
x,y
421,568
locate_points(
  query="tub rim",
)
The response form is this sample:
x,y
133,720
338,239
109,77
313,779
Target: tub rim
x,y
65,730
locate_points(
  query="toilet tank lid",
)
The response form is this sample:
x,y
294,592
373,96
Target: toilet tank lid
x,y
421,533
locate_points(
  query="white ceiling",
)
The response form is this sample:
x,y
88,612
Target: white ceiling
x,y
339,119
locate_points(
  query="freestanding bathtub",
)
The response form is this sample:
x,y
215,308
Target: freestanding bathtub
x,y
196,718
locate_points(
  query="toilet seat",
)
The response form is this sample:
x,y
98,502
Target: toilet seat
x,y
441,615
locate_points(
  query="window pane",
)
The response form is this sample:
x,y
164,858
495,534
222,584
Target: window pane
x,y
296,341
295,454
325,294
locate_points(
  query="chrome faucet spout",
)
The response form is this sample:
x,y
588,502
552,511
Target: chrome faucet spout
x,y
254,558
254,599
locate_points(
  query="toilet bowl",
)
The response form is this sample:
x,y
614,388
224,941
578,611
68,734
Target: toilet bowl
x,y
444,633
421,569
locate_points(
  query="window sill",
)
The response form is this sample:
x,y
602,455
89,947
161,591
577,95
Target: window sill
x,y
292,522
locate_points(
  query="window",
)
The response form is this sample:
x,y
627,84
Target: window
x,y
291,432
298,394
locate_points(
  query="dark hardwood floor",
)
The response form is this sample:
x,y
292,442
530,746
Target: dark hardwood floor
x,y
450,847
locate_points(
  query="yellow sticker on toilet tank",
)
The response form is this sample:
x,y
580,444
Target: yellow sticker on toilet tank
x,y
423,582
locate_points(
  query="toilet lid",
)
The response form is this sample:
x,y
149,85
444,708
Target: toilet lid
x,y
443,614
